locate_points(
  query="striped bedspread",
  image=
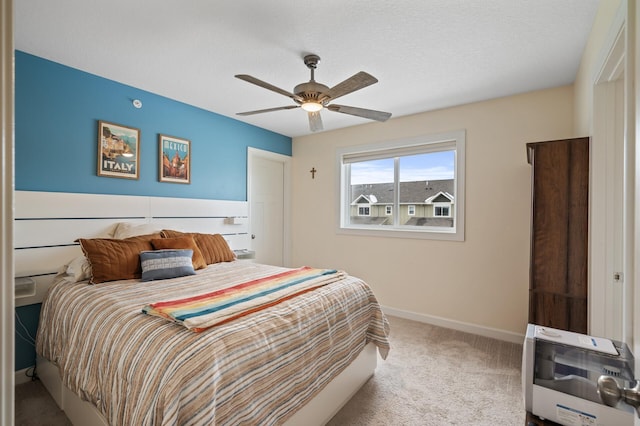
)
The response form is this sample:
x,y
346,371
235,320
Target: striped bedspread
x,y
203,311
258,369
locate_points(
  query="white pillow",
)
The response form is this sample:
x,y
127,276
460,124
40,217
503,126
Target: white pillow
x,y
79,269
127,229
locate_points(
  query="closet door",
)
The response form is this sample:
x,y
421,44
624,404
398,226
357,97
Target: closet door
x,y
559,240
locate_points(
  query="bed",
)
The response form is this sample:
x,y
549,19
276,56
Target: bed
x,y
294,362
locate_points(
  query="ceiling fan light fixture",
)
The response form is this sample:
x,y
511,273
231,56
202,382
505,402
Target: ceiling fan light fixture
x,y
311,106
313,97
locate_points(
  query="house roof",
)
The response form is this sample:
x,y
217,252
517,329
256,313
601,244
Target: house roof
x,y
416,192
431,221
368,220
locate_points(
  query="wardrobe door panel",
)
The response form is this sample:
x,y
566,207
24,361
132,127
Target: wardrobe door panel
x,y
559,233
549,231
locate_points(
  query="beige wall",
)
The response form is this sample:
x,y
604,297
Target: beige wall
x,y
482,281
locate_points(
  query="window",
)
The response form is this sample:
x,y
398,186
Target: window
x,y
421,179
441,211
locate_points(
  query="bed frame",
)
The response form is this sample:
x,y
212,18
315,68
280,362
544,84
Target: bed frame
x,y
316,412
46,225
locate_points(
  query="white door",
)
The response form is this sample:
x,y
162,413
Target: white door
x,y
623,243
611,207
606,266
615,214
268,206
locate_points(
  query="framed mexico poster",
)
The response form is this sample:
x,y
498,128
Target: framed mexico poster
x,y
118,151
175,159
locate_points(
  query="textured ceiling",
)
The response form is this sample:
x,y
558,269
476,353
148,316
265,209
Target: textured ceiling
x,y
426,54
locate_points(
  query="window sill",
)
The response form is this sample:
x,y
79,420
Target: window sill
x,y
402,233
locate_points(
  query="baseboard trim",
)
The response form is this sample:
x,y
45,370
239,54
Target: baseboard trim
x,y
493,333
21,376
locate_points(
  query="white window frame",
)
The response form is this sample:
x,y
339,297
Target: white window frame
x,y
411,209
388,210
455,141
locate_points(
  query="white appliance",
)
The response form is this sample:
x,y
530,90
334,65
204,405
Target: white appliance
x,y
577,380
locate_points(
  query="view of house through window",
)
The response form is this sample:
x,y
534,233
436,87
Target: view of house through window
x,y
408,188
426,190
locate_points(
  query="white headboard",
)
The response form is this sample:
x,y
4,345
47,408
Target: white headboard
x,y
47,224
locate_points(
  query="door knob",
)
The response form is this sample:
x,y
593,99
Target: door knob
x,y
610,393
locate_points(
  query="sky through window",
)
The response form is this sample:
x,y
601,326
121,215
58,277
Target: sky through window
x,y
430,166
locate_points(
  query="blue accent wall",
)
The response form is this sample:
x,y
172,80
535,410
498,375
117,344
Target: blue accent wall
x,y
26,328
57,109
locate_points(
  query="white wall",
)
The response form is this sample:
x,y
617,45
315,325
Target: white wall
x,y
483,280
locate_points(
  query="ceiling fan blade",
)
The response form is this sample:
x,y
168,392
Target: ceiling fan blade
x,y
268,86
353,83
260,111
315,121
360,112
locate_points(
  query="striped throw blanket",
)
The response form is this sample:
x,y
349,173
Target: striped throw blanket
x,y
203,311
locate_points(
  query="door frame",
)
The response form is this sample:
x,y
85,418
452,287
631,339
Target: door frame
x,y
624,28
621,50
7,329
286,220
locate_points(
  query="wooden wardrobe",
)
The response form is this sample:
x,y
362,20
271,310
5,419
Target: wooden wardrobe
x,y
559,226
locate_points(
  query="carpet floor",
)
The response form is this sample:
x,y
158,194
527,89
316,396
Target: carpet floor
x,y
433,376
436,376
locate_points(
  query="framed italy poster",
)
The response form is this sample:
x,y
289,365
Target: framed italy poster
x,y
175,159
118,151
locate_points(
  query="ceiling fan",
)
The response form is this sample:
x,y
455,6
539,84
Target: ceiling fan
x,y
313,97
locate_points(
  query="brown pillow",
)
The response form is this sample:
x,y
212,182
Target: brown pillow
x,y
181,243
214,247
113,259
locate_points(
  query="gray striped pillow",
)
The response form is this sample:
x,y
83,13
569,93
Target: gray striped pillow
x,y
163,264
